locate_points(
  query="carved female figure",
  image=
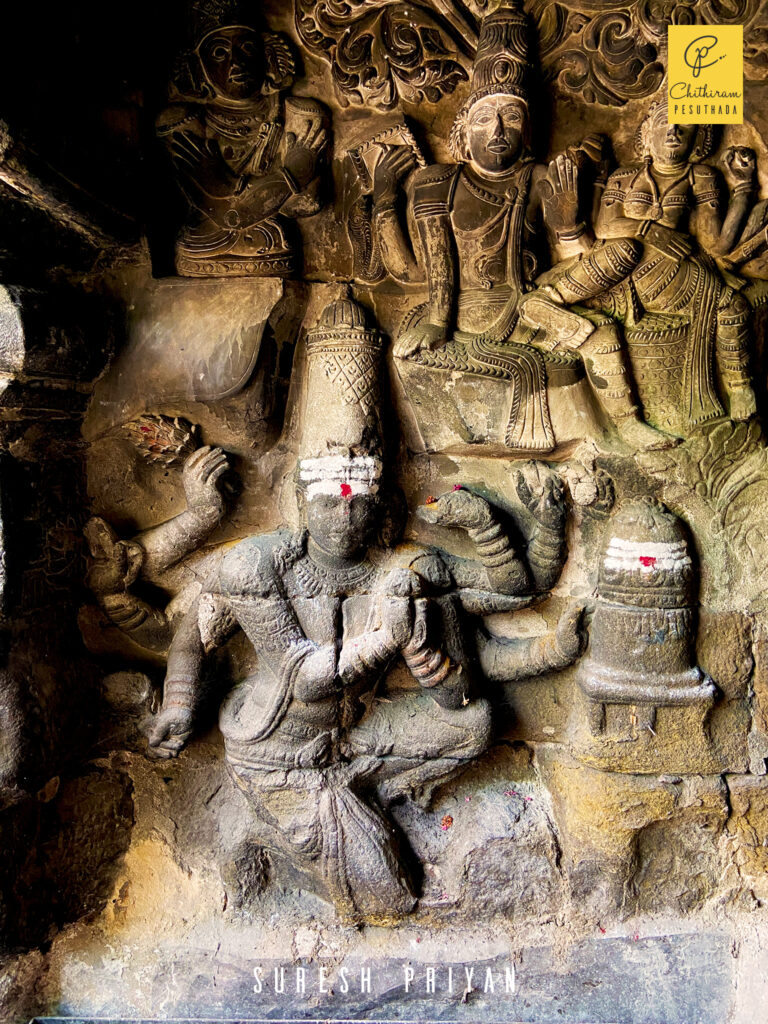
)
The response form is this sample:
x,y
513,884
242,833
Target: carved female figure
x,y
670,204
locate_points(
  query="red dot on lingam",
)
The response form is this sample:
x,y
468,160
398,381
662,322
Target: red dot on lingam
x,y
346,491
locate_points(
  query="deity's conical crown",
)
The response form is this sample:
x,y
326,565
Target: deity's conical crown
x,y
341,443
207,16
502,63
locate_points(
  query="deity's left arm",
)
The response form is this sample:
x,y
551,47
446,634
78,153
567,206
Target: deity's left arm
x,y
506,660
431,190
397,250
498,567
715,235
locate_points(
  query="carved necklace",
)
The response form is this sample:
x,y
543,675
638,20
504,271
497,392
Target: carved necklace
x,y
510,216
255,137
314,579
657,198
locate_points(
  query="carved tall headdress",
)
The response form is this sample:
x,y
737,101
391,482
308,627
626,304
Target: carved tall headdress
x,y
341,445
502,64
207,16
502,67
189,81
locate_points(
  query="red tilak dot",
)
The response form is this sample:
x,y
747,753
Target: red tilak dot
x,y
146,430
346,491
647,560
457,487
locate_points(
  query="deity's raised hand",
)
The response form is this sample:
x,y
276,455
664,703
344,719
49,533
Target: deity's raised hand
x,y
200,475
739,165
560,193
542,492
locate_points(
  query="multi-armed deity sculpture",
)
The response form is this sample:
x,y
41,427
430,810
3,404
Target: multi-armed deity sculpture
x,y
326,612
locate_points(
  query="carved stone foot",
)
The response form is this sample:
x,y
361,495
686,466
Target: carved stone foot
x,y
743,404
641,437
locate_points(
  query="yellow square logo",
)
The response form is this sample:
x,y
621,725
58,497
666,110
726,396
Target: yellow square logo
x,y
705,71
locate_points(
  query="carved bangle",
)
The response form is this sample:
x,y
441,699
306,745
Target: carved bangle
x,y
571,234
385,206
743,187
291,182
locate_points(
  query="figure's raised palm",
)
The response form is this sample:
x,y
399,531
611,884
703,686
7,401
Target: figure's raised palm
x,y
394,164
200,475
542,492
560,193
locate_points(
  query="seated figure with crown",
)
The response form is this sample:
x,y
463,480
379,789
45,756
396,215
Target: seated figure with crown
x,y
478,226
313,624
247,158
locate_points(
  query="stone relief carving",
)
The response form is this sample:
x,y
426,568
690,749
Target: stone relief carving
x,y
382,51
640,663
480,245
675,281
116,564
592,311
247,157
327,611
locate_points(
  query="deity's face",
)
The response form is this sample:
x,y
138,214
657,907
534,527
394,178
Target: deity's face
x,y
496,127
231,59
670,143
342,526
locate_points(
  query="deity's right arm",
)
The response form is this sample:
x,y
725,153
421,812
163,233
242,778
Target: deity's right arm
x,y
397,252
229,199
183,678
432,190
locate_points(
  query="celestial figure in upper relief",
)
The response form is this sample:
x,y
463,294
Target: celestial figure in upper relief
x,y
480,240
318,617
247,158
670,205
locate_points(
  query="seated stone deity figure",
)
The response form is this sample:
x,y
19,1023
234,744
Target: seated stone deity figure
x,y
247,158
670,206
479,226
322,615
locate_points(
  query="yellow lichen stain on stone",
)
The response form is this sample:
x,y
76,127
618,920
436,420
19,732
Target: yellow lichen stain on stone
x,y
153,893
